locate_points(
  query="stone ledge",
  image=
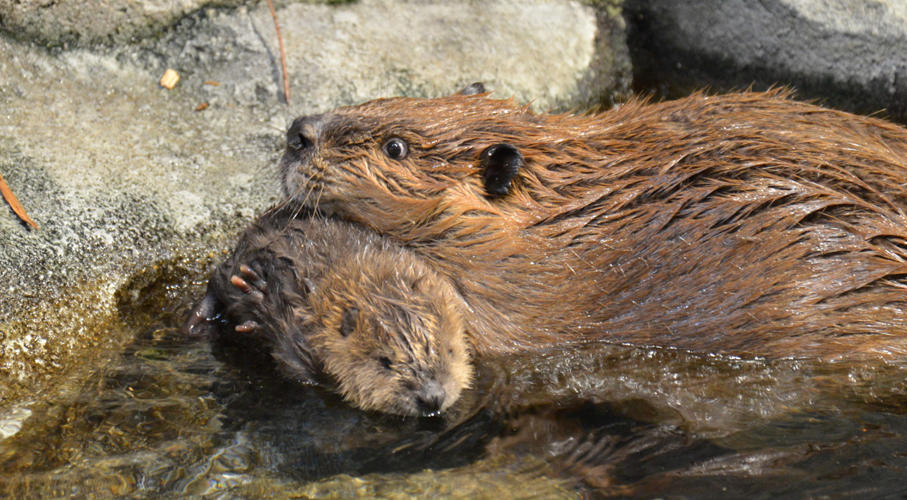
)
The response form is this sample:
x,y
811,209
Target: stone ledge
x,y
851,55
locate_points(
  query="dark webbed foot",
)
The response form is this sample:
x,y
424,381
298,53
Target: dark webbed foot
x,y
201,316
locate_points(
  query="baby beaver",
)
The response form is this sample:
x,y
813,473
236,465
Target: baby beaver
x,y
338,305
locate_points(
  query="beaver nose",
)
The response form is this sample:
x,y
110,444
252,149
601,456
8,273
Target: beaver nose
x,y
304,132
430,399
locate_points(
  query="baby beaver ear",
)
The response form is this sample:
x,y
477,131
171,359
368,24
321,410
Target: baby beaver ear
x,y
472,89
349,321
500,164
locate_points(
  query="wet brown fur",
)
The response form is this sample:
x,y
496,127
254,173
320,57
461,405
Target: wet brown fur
x,y
404,338
747,223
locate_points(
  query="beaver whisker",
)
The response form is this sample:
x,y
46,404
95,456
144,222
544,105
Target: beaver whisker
x,y
300,207
318,196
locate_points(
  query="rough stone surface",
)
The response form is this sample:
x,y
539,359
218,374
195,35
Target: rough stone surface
x,y
120,175
133,187
83,22
849,54
555,54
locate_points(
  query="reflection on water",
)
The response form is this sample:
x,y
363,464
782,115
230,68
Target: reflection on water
x,y
179,416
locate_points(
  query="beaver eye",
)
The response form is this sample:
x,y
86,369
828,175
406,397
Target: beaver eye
x,y
395,148
385,362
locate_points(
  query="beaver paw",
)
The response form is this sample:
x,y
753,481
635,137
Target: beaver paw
x,y
253,286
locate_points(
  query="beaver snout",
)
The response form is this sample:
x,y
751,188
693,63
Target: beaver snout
x,y
430,399
303,134
303,137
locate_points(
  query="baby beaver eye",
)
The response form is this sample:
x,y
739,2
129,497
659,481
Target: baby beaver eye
x,y
385,362
395,149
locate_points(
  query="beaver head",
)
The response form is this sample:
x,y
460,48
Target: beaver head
x,y
423,170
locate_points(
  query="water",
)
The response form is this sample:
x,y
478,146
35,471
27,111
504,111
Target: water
x,y
172,416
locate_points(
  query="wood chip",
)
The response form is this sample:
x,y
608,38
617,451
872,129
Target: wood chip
x,y
168,81
212,83
14,203
201,107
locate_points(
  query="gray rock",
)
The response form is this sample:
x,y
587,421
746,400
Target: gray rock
x,y
850,54
555,54
135,190
120,174
83,22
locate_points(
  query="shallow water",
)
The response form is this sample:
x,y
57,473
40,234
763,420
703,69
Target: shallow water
x,y
175,416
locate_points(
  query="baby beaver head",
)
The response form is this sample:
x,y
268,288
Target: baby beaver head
x,y
389,335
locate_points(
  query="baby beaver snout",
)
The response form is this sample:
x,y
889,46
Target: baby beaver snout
x,y
431,398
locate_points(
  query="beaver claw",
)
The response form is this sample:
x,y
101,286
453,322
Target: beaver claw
x,y
251,275
244,286
246,327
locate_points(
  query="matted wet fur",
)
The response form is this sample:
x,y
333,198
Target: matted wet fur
x,y
338,305
746,223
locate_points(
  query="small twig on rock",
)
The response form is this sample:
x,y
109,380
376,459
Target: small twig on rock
x,y
283,55
14,203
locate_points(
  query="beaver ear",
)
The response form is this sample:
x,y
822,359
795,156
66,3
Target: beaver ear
x,y
419,284
500,164
349,321
307,286
472,89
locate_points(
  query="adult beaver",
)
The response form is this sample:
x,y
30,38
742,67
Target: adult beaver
x,y
747,223
338,305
